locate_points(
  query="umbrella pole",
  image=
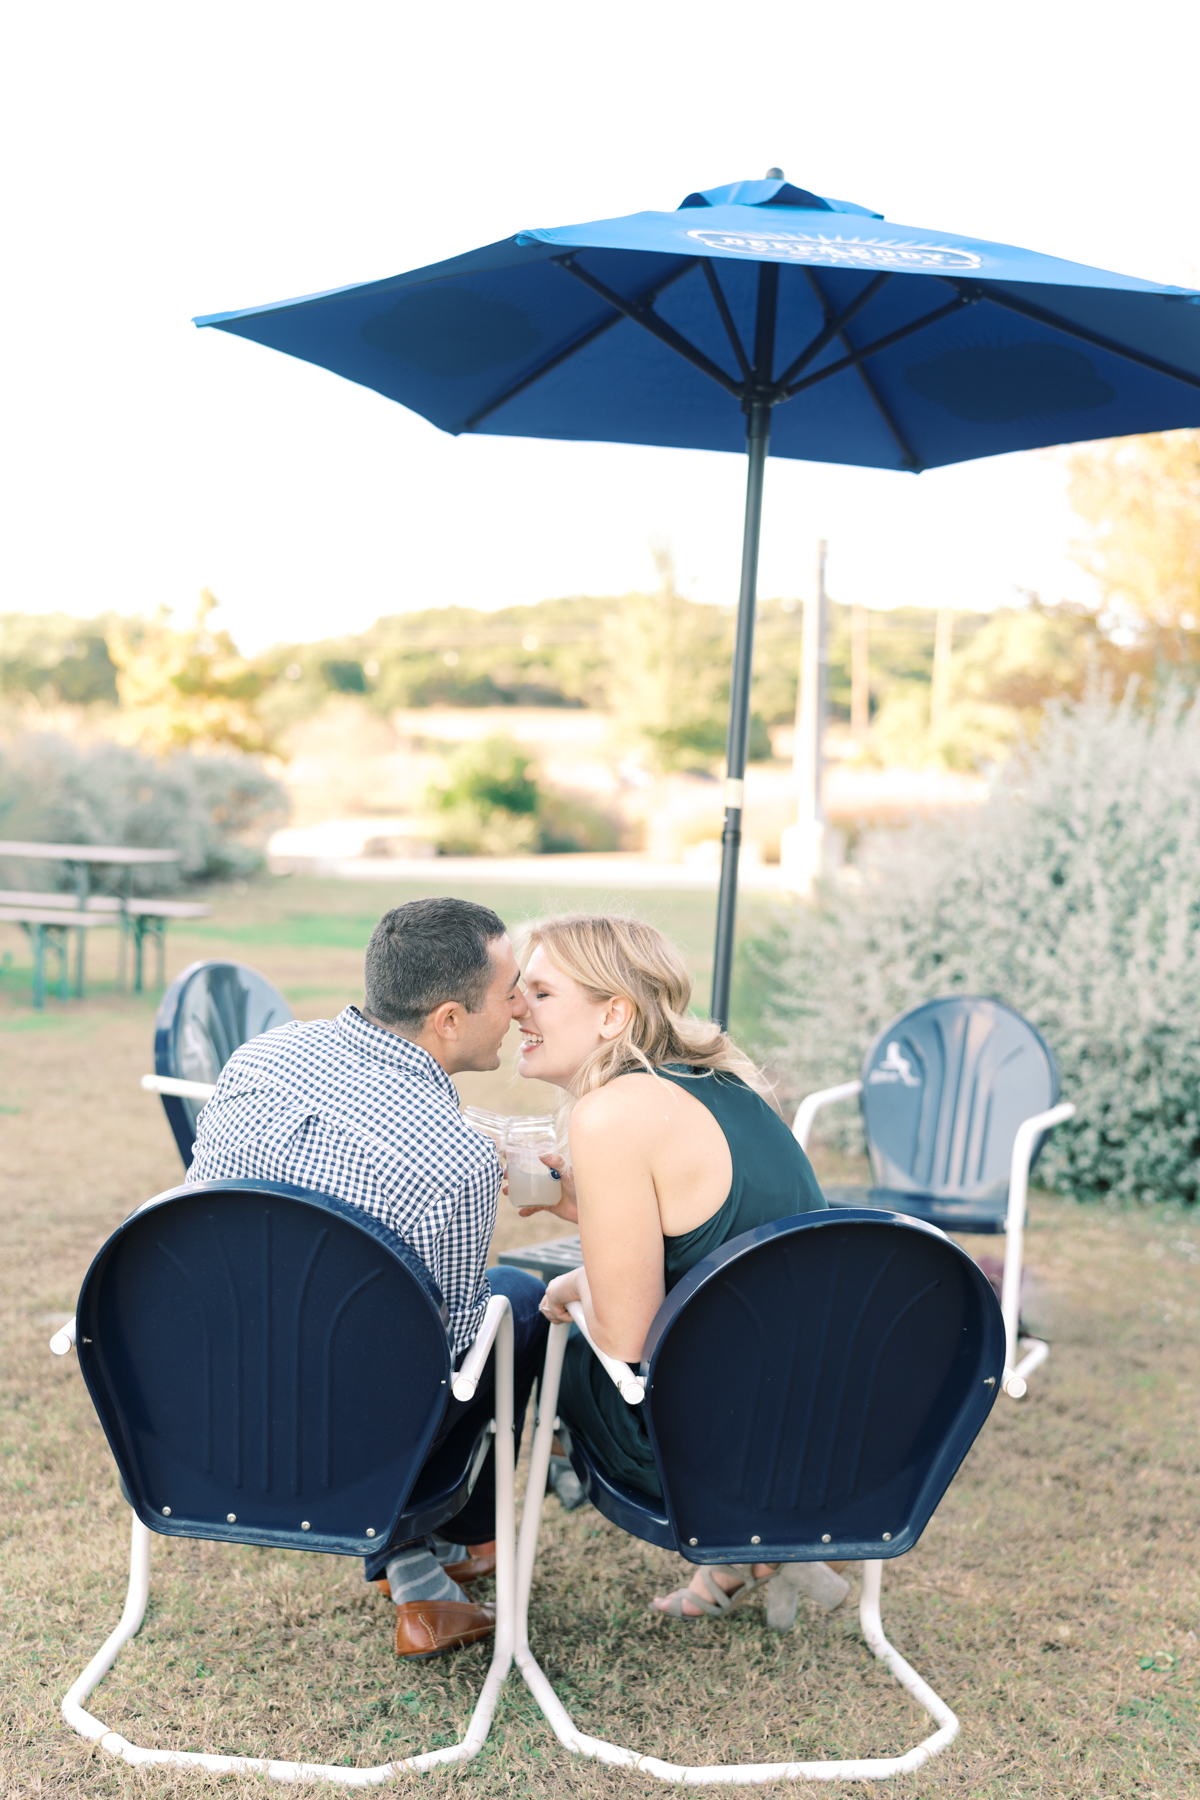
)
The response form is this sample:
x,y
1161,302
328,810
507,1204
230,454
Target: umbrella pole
x,y
758,437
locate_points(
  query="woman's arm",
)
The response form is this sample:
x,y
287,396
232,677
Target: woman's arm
x,y
614,1132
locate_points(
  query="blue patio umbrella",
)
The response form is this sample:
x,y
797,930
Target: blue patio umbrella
x,y
760,315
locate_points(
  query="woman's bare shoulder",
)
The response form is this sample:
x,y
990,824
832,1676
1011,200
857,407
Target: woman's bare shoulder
x,y
630,1102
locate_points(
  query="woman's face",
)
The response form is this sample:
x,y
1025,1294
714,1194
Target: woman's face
x,y
564,1025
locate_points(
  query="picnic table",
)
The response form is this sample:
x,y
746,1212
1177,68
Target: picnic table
x,y
42,914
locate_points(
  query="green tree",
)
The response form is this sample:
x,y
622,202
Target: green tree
x,y
1141,498
184,686
56,660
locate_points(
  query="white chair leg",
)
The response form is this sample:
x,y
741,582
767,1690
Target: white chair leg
x,y
481,1719
733,1774
136,1596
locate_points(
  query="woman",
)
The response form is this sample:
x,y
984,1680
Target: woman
x,y
673,1151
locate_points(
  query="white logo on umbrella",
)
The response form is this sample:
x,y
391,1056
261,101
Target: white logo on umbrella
x,y
855,253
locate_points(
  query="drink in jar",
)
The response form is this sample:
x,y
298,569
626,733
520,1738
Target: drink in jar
x,y
530,1182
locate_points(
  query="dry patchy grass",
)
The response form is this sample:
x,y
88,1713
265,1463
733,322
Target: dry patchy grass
x,y
1053,1600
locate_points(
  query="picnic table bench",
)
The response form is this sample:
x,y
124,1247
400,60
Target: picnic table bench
x,y
47,928
41,914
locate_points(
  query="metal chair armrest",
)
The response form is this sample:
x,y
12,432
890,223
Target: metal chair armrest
x,y
631,1387
1028,1132
184,1090
811,1105
468,1377
64,1339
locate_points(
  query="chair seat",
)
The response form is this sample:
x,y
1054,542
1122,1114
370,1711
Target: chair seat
x,y
444,1485
641,1515
986,1217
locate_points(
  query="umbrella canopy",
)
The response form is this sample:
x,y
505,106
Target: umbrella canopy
x,y
758,315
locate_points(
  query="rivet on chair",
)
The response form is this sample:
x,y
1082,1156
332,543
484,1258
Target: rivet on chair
x,y
827,1539
231,1518
989,1381
887,1537
304,1525
756,1540
166,1512
692,1541
370,1531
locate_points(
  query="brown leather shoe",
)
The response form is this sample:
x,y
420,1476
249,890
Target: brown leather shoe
x,y
427,1627
481,1561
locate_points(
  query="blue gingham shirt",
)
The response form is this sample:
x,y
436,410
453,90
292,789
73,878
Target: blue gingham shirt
x,y
346,1108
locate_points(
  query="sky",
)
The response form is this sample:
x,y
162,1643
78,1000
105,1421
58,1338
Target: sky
x,y
164,161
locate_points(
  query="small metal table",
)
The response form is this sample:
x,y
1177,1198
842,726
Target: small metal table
x,y
79,859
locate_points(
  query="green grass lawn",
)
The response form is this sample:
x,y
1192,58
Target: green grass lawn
x,y
1054,1600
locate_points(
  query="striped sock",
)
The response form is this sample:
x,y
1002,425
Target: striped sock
x,y
446,1552
415,1574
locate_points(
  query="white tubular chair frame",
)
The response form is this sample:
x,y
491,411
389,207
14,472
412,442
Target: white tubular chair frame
x,y
174,1084
732,1774
811,1105
1032,1352
1035,1351
497,1328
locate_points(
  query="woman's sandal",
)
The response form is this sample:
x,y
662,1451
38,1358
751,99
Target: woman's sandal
x,y
721,1602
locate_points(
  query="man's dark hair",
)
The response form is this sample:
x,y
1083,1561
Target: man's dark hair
x,y
426,952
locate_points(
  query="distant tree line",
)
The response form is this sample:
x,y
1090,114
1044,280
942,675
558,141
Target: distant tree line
x,y
659,662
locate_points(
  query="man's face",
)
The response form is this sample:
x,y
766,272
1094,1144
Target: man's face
x,y
480,1034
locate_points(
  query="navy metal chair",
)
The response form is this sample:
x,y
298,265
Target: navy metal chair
x,y
206,1014
844,1363
958,1096
270,1366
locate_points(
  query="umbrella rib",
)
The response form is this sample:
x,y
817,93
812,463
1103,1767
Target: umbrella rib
x,y
639,311
580,343
1095,338
879,345
911,461
834,326
722,305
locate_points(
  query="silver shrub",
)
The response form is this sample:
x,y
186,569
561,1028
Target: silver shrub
x,y
215,810
1074,895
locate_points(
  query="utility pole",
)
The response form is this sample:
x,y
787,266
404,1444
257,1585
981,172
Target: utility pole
x,y
801,849
860,673
943,649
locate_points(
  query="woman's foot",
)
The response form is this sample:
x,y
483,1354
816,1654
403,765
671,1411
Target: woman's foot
x,y
698,1600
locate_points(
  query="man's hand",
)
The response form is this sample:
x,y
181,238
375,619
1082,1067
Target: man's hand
x,y
561,1290
567,1208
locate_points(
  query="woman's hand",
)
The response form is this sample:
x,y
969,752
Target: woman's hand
x,y
562,1289
566,1208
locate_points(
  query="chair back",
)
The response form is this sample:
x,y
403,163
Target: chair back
x,y
269,1365
945,1087
206,1013
814,1384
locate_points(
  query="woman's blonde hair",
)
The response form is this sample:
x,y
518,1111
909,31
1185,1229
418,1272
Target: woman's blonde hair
x,y
614,957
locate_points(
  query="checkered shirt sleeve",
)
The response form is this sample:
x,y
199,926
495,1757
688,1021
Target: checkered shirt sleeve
x,y
345,1108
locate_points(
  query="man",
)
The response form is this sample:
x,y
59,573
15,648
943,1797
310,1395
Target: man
x,y
363,1107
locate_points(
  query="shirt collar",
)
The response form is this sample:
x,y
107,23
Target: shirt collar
x,y
399,1052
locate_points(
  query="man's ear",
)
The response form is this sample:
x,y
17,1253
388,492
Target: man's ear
x,y
617,1016
445,1021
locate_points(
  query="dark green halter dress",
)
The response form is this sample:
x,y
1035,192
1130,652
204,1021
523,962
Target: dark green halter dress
x,y
772,1179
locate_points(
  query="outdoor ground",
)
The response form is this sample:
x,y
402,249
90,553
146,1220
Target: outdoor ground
x,y
1054,1600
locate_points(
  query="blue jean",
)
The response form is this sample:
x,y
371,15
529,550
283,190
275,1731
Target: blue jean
x,y
476,1523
